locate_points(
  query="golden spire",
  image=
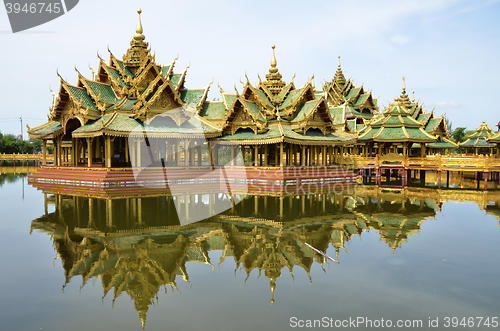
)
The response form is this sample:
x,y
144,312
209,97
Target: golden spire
x,y
413,99
339,76
273,63
138,52
274,82
404,85
138,29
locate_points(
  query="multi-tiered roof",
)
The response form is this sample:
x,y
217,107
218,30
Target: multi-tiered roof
x,y
480,138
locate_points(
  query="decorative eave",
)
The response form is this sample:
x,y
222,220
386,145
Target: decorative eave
x,y
250,93
238,105
290,111
325,126
143,105
103,67
138,79
77,111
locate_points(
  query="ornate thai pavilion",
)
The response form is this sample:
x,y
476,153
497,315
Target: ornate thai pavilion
x,y
101,121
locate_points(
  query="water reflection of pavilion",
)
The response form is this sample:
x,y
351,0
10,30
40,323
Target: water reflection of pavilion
x,y
138,253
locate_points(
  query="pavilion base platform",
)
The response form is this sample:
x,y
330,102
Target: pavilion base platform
x,y
116,182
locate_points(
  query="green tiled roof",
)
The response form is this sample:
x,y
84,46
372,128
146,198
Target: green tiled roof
x,y
80,94
432,124
127,70
288,131
193,97
106,92
175,78
248,134
351,124
213,110
128,105
96,125
337,115
318,94
47,128
116,75
352,93
315,135
125,123
264,98
305,110
253,108
397,133
483,131
442,143
291,97
368,134
477,142
166,125
282,93
228,100
495,138
424,118
362,98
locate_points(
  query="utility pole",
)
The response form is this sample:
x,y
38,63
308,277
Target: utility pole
x,y
21,118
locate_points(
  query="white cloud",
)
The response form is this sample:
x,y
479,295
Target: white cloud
x,y
448,104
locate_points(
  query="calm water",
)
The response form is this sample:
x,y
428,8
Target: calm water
x,y
73,263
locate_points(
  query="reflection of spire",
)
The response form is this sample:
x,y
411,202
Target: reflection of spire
x,y
142,316
272,285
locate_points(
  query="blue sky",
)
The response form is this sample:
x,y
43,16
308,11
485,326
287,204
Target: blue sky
x,y
447,50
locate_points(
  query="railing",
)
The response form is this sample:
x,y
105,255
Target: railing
x,y
25,157
432,161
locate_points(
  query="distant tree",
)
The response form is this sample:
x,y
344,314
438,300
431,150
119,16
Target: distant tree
x,y
458,135
36,145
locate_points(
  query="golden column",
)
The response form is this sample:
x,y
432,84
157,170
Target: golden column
x,y
281,154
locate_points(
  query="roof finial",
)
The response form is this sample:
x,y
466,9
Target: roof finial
x,y
413,100
273,63
138,29
404,84
339,61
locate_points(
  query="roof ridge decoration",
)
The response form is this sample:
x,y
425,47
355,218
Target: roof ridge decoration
x,y
274,81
